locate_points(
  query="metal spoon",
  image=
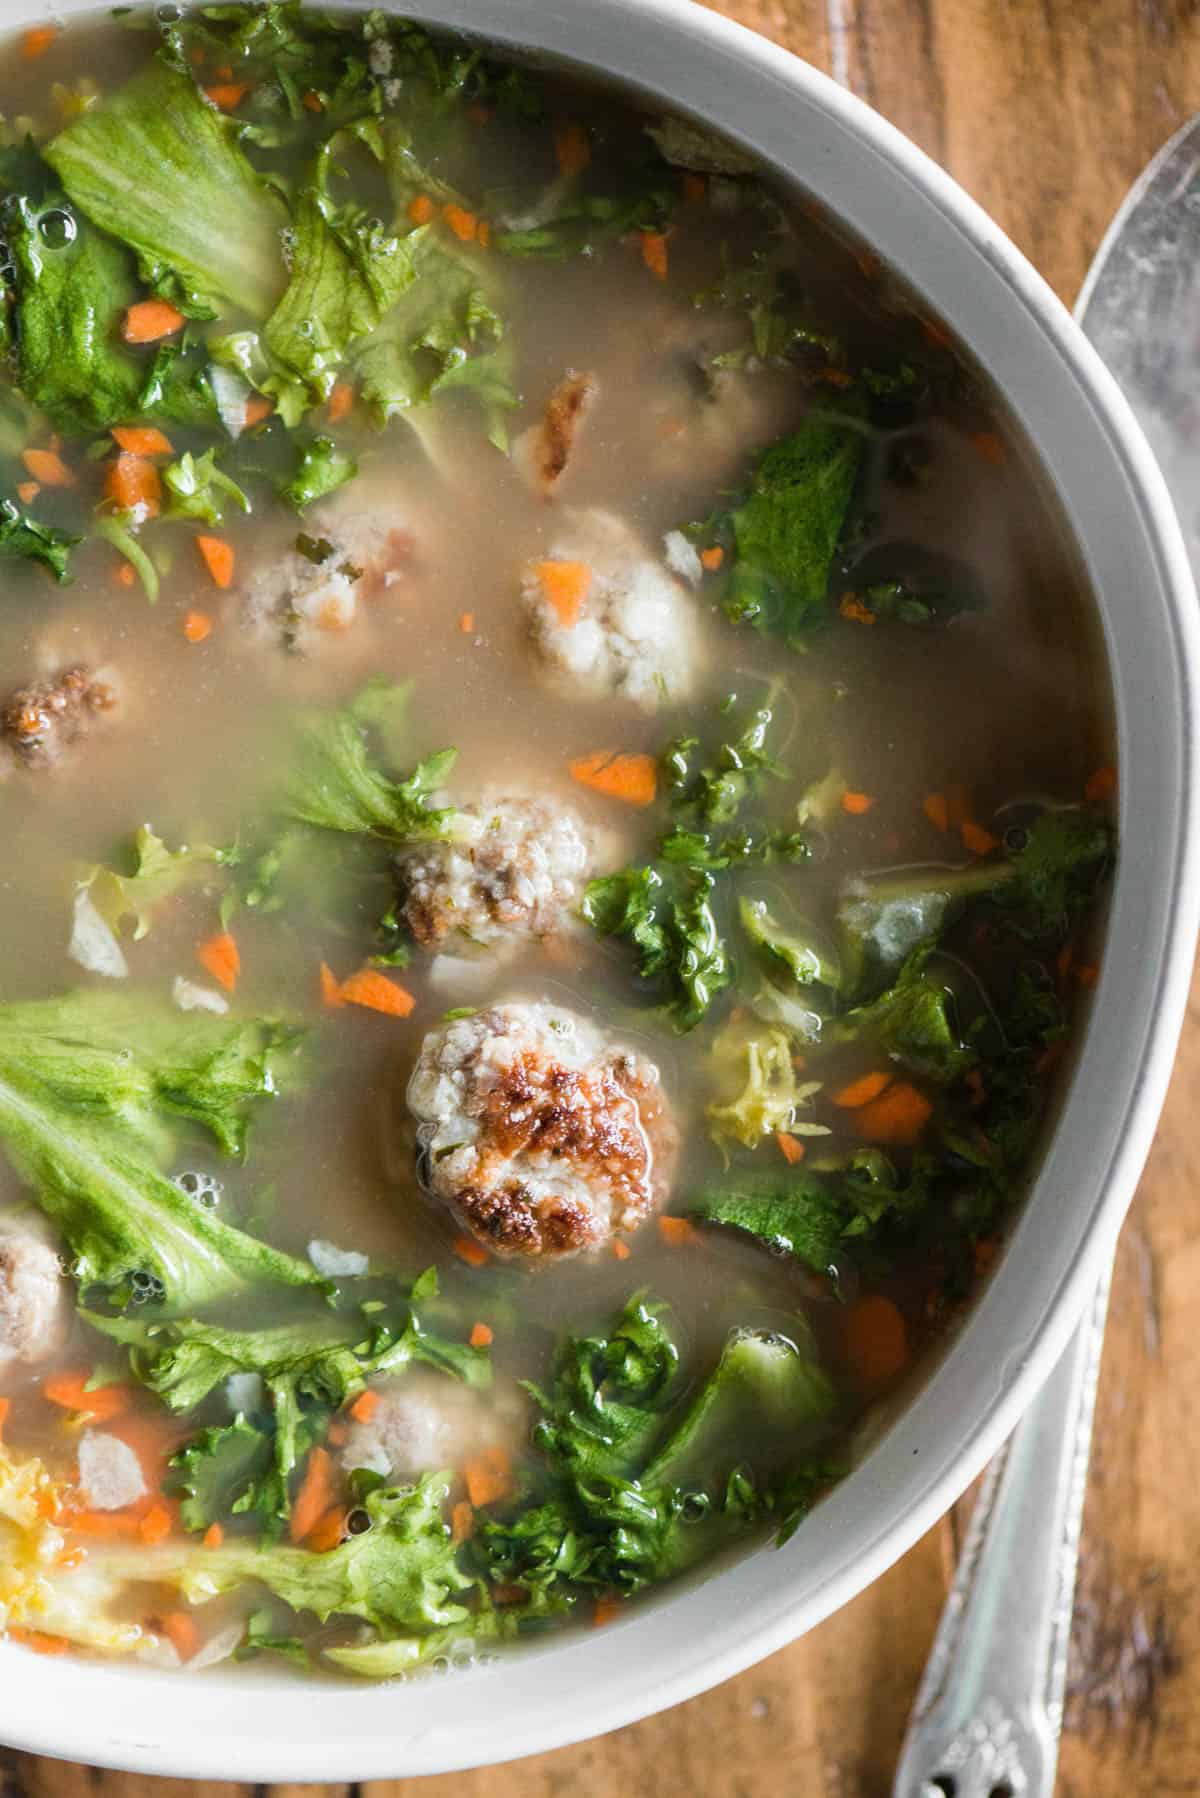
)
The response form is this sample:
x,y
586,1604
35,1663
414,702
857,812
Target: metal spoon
x,y
988,1714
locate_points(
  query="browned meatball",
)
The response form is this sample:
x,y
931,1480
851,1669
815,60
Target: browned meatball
x,y
41,721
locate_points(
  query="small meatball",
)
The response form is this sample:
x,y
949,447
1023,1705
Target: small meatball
x,y
541,453
508,875
110,1474
318,589
41,721
633,629
540,1136
428,1422
32,1310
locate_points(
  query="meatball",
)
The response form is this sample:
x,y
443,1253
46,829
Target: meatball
x,y
541,454
540,1136
318,587
605,617
41,721
427,1423
110,1473
509,873
32,1312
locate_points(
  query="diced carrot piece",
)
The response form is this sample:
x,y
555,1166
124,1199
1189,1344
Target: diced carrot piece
x,y
1087,973
27,491
329,1531
488,1476
654,253
937,333
837,377
149,320
482,1335
213,1536
483,234
678,1231
153,1439
37,40
421,209
851,607
69,1390
978,840
341,402
338,1433
315,1495
5,1408
565,586
126,575
573,149
109,1524
183,1633
197,626
991,447
897,1116
1100,785
462,1521
606,1610
464,224
39,1641
331,986
219,956
313,101
71,1558
792,1146
375,992
227,95
364,1407
937,810
861,1091
695,189
712,557
621,1249
155,1526
142,440
258,407
134,484
48,467
857,804
466,623
876,1339
632,778
218,558
470,1251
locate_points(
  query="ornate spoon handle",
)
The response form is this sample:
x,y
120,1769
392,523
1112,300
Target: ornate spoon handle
x,y
988,1713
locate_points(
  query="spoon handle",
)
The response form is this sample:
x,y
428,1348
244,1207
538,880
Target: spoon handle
x,y
988,1712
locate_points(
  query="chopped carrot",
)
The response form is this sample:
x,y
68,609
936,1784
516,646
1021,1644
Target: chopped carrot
x,y
142,440
153,1439
606,1610
483,234
851,606
488,1476
978,840
338,1433
69,1390
632,778
1087,973
1100,785
104,1523
712,557
126,575
958,804
313,101
5,1408
573,149
227,94
218,558
897,1116
876,1339
219,956
134,484
364,1407
621,1249
857,804
224,72
333,616
861,1091
197,626
937,333
464,224
678,1231
565,586
990,447
149,320
329,1531
155,1526
183,1633
258,407
470,1251
27,491
341,402
375,992
466,623
421,210
37,41
70,1559
654,253
315,1495
39,1641
48,467
482,1335
792,1147
331,986
695,190
213,1536
937,810
462,1521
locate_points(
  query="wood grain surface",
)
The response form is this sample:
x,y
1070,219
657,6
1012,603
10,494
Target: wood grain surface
x,y
1045,110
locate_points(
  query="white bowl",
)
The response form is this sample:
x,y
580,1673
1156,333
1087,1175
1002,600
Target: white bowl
x,y
260,1727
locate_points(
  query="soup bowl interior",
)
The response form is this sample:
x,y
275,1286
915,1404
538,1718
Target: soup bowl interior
x,y
261,1727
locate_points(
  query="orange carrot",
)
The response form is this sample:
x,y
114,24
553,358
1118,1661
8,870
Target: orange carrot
x,y
606,1610
329,1531
313,102
315,1495
213,1536
227,94
155,1526
621,1249
482,1335
69,1390
837,377
857,804
464,224
654,253
48,467
218,559
861,1091
5,1408
37,41
149,320
338,1433
712,557
991,447
39,1641
183,1633
462,1521
134,485
851,607
142,440
897,1116
27,491
978,840
565,586
421,210
258,407
572,148
483,234
219,956
1100,785
341,402
876,1339
936,333
331,987
792,1147
632,778
364,1407
937,810
70,1558
375,992
678,1231
488,1476
466,623
197,626
695,190
470,1251
104,1523
153,1439
125,574
1087,973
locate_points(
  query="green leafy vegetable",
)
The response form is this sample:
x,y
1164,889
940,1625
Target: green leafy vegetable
x,y
157,874
336,786
754,1061
912,1021
669,919
813,1216
686,145
22,538
197,488
781,329
321,468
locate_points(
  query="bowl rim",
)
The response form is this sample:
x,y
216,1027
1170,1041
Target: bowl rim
x,y
687,1641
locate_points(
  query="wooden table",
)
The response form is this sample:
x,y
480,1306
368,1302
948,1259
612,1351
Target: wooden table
x,y
1045,110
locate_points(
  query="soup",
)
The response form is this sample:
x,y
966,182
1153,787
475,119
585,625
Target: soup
x,y
561,769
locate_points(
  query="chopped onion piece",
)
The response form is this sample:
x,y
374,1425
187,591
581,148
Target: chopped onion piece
x,y
93,944
231,394
331,1261
189,995
244,1391
683,558
218,1648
